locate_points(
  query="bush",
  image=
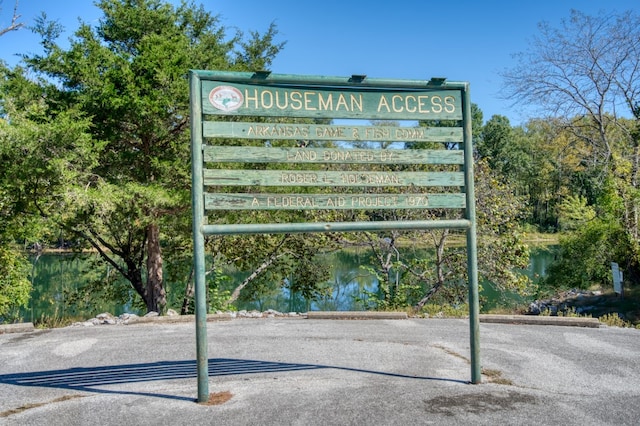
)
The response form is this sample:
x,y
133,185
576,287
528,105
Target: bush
x,y
15,287
614,320
586,254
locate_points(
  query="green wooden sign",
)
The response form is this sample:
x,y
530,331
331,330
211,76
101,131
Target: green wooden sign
x,y
231,98
262,141
284,178
321,132
253,154
261,201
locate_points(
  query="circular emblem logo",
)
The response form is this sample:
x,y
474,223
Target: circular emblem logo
x,y
226,98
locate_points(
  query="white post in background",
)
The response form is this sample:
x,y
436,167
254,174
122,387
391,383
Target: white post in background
x,y
617,279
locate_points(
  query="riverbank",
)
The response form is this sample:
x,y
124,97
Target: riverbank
x,y
608,306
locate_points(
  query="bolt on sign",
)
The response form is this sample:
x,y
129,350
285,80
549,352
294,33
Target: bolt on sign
x,y
272,142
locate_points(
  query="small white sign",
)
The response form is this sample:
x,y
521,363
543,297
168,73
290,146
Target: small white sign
x,y
617,277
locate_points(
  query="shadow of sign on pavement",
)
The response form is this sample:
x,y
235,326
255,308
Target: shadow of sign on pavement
x,y
90,379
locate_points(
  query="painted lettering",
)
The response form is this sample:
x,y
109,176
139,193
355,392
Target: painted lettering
x,y
291,202
299,178
371,179
303,100
330,132
270,131
449,104
374,201
282,99
302,155
412,133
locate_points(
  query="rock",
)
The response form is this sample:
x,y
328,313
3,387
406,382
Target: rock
x,y
127,318
172,313
105,318
151,314
534,308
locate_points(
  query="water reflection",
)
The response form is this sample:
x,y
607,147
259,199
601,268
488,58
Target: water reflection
x,y
56,276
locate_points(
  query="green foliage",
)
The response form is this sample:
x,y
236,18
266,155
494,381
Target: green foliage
x,y
97,139
15,287
573,212
585,256
102,285
390,295
614,320
502,249
434,310
494,143
569,312
218,296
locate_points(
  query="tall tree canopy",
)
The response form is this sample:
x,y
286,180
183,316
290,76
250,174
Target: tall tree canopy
x,y
586,74
128,77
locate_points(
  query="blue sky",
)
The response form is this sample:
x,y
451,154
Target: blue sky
x,y
462,40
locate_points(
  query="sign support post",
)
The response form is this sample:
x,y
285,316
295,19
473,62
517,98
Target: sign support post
x,y
472,251
198,246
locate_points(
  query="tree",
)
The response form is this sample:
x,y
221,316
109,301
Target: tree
x,y
586,74
15,24
501,248
494,139
590,67
128,76
15,287
441,275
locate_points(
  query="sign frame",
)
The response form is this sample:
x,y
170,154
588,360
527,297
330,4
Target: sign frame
x,y
263,94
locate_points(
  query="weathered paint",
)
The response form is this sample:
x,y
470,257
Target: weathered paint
x,y
324,132
319,178
261,201
264,100
254,154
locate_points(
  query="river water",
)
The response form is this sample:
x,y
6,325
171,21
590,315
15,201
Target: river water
x,y
55,277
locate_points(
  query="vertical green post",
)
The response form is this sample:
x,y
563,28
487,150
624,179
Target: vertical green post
x,y
472,250
197,189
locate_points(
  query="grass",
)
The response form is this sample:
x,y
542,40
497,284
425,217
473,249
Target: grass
x,y
54,321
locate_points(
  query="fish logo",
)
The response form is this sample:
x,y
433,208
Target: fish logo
x,y
226,98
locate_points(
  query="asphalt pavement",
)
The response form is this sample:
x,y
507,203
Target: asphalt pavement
x,y
305,371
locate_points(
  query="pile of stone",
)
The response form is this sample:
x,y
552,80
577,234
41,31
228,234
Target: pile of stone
x,y
575,298
171,315
108,319
269,313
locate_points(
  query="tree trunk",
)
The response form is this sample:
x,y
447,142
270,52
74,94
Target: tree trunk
x,y
155,297
188,294
275,254
254,274
439,270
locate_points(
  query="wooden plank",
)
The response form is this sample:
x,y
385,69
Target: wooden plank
x,y
262,201
287,178
230,98
298,131
253,154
